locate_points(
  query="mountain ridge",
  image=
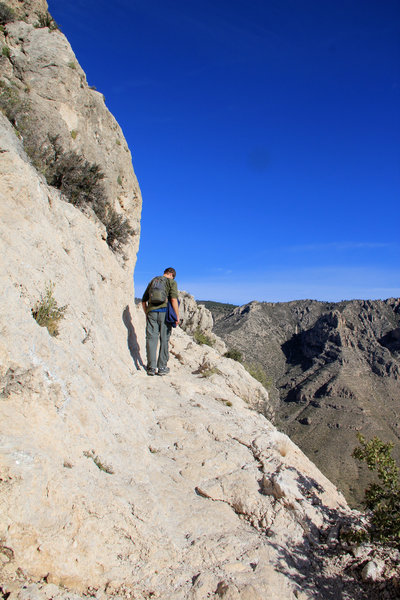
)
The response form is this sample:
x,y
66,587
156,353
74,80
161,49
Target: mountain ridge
x,y
340,360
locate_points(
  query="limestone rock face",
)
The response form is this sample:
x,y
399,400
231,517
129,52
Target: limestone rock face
x,y
45,75
114,483
197,318
194,316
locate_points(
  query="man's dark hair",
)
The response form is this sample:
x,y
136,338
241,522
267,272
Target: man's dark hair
x,y
170,270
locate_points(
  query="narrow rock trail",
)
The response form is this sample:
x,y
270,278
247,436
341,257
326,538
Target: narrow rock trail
x,y
230,472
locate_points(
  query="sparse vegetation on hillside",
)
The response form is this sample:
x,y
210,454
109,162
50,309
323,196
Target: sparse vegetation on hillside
x,y
118,228
46,20
79,180
382,498
224,401
234,354
81,183
203,338
69,172
47,313
99,463
7,15
14,107
209,371
258,373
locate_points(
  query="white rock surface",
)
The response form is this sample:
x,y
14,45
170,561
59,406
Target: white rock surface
x,y
372,570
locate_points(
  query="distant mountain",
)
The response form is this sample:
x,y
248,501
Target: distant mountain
x,y
333,369
218,309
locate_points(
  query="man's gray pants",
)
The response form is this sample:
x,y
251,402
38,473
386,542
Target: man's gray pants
x,y
157,329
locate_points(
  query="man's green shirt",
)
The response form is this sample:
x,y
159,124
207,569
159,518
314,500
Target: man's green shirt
x,y
171,288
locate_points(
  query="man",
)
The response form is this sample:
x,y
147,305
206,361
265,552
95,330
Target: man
x,y
154,303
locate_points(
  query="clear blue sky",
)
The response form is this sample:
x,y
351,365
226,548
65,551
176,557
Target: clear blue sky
x,y
265,135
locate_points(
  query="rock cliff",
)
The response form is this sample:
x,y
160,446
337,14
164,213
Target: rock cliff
x,y
334,369
114,484
45,94
198,319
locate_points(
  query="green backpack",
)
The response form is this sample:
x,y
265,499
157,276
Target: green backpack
x,y
158,291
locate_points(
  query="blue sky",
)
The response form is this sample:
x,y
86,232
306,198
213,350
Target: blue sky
x,y
265,135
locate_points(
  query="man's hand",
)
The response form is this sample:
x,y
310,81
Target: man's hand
x,y
144,306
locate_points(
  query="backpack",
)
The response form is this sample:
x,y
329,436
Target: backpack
x,y
158,292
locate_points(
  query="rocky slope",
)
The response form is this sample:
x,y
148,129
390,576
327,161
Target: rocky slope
x,y
333,369
114,484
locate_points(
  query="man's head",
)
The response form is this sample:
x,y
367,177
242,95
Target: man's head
x,y
170,273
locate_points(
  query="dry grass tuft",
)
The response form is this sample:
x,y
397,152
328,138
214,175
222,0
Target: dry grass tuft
x,y
283,445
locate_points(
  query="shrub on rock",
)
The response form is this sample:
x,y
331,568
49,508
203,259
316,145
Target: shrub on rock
x,y
7,15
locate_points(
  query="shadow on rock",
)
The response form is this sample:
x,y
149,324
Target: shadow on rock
x,y
324,566
133,344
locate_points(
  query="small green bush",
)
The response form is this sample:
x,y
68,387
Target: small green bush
x,y
118,228
7,15
234,354
201,338
47,313
6,51
99,464
75,177
208,372
72,65
74,134
226,402
383,498
119,180
257,372
14,107
46,20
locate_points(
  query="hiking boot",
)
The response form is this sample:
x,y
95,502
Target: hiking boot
x,y
151,371
163,371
